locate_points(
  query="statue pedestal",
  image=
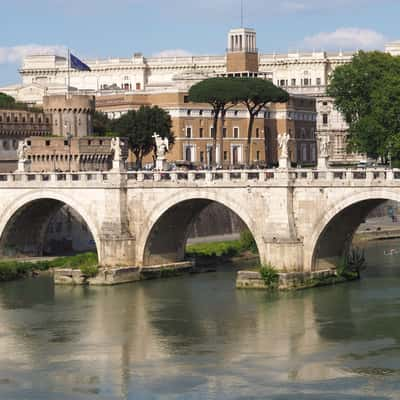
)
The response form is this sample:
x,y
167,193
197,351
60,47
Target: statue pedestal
x,y
161,164
118,166
284,163
322,163
24,166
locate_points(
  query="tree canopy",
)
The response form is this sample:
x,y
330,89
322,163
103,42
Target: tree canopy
x,y
139,127
101,124
255,94
367,92
8,102
221,94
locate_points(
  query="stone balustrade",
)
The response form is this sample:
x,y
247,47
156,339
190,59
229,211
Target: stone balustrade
x,y
240,177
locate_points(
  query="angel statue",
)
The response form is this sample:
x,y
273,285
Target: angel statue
x,y
21,150
283,141
162,145
324,146
116,147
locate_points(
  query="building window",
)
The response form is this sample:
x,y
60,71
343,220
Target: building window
x,y
188,154
201,132
325,119
257,132
236,132
138,86
324,103
47,143
224,131
212,131
186,99
202,156
15,119
307,82
225,155
318,81
293,82
188,112
236,113
65,142
200,112
188,131
282,82
258,155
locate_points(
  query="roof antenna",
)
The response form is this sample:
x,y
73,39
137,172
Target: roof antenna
x,y
241,14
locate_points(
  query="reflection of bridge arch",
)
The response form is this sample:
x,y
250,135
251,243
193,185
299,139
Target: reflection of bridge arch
x,y
42,203
331,236
167,226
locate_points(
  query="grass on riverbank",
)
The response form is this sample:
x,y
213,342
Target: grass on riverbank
x,y
229,248
11,270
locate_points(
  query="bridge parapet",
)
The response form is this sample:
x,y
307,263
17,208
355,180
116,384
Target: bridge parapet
x,y
261,177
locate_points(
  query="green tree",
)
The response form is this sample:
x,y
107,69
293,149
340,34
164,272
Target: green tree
x,y
6,101
221,94
255,94
139,127
367,92
101,123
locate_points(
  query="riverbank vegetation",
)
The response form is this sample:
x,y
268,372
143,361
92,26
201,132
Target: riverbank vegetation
x,y
15,269
226,249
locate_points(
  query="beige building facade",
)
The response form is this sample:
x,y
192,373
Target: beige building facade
x,y
192,125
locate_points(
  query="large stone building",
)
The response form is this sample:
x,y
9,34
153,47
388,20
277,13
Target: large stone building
x,y
192,124
299,73
57,137
17,125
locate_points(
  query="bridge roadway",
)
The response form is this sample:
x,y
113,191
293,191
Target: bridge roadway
x,y
301,219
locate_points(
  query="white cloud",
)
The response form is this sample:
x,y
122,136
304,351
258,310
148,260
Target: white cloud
x,y
173,53
12,55
346,39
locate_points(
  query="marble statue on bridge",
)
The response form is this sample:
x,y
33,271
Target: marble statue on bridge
x,y
23,162
323,152
283,142
162,146
116,147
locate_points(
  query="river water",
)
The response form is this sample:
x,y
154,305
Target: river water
x,y
196,337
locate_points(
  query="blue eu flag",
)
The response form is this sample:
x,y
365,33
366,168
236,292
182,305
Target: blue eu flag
x,y
76,63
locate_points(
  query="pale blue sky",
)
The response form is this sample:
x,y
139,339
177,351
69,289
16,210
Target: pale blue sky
x,y
105,28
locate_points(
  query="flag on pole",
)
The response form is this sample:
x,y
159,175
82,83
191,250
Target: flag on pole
x,y
76,63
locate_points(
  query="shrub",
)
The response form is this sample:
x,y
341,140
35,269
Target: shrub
x,y
217,249
247,242
89,270
269,275
351,264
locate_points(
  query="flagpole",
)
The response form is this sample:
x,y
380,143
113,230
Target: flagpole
x,y
69,72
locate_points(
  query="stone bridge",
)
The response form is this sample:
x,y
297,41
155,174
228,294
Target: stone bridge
x,y
301,219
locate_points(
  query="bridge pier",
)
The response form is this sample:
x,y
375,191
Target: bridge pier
x,y
116,243
284,254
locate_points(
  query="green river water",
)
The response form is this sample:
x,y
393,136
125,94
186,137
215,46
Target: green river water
x,y
196,337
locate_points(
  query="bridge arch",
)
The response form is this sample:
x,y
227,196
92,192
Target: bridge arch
x,y
44,203
333,232
173,218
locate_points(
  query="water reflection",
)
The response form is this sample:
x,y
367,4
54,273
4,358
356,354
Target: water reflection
x,y
197,337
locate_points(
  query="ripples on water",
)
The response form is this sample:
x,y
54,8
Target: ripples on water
x,y
196,337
